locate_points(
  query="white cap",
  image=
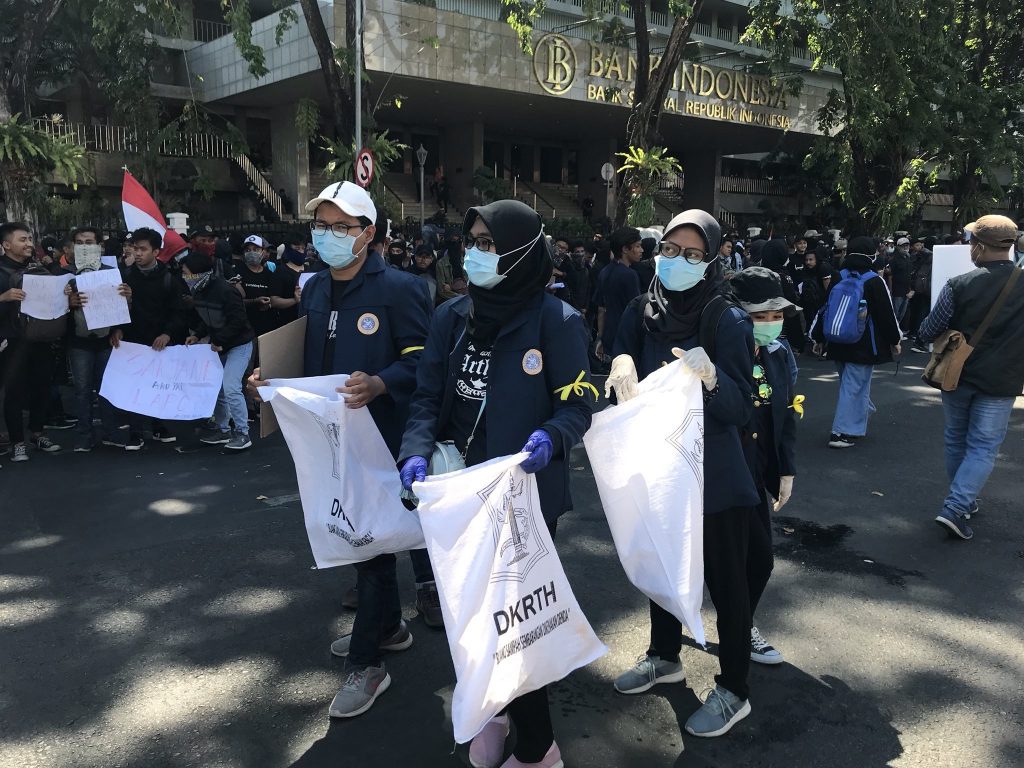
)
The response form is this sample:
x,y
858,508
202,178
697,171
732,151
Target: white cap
x,y
903,241
350,198
811,233
256,240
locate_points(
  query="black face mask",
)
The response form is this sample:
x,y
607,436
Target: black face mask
x,y
396,257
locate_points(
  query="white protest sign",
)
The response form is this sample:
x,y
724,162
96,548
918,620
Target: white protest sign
x,y
109,261
948,261
304,278
177,383
105,306
512,621
44,296
648,460
348,482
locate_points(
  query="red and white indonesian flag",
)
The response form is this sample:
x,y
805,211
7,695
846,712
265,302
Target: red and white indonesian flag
x,y
140,210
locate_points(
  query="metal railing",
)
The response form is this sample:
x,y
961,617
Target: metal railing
x,y
122,139
672,182
206,31
744,186
702,28
724,33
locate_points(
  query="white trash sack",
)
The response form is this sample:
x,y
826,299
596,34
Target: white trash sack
x,y
348,483
512,621
647,455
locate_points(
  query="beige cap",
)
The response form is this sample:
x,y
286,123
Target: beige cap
x,y
997,232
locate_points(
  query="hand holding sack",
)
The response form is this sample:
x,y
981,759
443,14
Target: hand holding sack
x,y
785,491
348,483
512,621
622,378
697,360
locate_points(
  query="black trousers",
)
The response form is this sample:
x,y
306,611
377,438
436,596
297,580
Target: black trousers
x,y
738,562
532,716
27,373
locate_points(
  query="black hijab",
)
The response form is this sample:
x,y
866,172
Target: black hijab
x,y
517,233
674,316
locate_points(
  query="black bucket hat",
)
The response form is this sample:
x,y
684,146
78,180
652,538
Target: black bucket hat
x,y
759,289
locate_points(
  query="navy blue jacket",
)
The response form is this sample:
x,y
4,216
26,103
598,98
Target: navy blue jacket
x,y
780,370
521,396
727,479
381,328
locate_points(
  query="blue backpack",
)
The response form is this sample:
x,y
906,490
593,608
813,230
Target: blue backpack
x,y
845,315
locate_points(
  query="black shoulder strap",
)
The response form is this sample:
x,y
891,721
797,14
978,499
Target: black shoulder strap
x,y
710,317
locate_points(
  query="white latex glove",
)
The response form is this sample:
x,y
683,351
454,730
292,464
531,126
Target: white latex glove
x,y
785,491
697,360
622,379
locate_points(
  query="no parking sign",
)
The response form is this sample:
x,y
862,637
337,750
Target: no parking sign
x,y
364,167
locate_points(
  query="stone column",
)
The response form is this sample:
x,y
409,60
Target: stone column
x,y
702,171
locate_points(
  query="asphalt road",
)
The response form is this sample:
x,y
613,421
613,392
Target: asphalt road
x,y
160,609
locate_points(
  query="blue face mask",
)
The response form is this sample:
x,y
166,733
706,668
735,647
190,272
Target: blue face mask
x,y
482,266
678,274
336,252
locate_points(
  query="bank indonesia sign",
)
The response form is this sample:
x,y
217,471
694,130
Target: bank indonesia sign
x,y
606,73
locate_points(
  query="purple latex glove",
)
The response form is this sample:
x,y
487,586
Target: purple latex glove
x,y
414,470
540,449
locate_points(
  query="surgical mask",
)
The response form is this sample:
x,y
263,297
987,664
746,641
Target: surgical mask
x,y
482,266
890,250
253,258
678,274
87,257
335,251
767,331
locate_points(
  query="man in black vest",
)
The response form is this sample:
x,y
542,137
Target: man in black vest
x,y
978,411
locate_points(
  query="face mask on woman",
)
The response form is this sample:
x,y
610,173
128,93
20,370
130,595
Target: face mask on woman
x,y
678,274
253,258
766,331
335,251
482,266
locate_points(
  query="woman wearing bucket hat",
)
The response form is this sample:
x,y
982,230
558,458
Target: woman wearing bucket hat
x,y
769,440
687,315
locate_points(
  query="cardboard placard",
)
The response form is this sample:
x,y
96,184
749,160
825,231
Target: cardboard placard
x,y
281,357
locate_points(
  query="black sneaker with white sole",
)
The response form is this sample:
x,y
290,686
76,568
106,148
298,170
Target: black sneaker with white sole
x,y
840,441
239,442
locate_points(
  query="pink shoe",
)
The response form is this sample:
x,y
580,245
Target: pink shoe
x,y
488,746
553,759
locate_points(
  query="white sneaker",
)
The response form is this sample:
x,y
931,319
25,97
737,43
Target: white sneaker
x,y
20,452
761,651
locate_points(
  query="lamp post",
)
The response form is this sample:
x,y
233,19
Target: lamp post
x,y
421,158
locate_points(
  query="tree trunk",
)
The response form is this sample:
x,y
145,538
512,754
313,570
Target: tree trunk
x,y
649,94
342,110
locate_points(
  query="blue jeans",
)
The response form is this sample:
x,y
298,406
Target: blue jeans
x,y
379,613
231,400
899,304
87,367
975,427
854,404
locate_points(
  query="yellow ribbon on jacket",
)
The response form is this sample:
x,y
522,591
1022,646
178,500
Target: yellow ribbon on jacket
x,y
578,388
409,350
798,405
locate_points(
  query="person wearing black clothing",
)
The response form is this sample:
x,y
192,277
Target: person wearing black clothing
x,y
617,285
369,321
219,315
670,322
26,366
856,361
812,283
508,342
285,298
424,268
769,440
259,285
645,267
775,256
158,317
898,271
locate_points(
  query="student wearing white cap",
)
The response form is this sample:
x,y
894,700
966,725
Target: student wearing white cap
x,y
371,322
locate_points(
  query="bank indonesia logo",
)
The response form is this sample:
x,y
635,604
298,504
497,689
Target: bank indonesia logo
x,y
554,64
514,524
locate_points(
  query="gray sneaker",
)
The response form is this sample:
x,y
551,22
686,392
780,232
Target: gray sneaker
x,y
399,640
360,689
239,442
20,452
214,437
720,712
648,672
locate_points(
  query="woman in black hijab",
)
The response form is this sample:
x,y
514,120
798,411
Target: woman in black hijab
x,y
687,314
505,370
